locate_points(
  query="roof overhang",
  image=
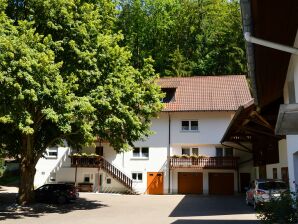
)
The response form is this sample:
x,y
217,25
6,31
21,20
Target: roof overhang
x,y
274,21
287,121
249,127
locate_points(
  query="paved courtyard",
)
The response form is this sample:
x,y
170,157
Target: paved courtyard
x,y
139,209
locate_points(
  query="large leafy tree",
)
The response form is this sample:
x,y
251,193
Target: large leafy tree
x,y
63,76
184,37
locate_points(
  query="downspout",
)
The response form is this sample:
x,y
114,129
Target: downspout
x,y
247,27
249,38
169,155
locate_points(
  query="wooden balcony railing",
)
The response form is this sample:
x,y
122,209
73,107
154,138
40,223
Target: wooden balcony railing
x,y
204,163
100,162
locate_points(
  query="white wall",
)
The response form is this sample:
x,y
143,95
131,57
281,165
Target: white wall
x,y
212,126
292,140
45,166
283,160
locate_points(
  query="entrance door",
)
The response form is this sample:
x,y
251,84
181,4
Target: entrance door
x,y
154,183
262,172
244,181
190,183
221,183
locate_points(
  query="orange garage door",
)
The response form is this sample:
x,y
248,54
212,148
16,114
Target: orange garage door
x,y
154,183
221,183
190,183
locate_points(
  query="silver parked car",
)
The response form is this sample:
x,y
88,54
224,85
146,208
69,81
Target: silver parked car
x,y
262,190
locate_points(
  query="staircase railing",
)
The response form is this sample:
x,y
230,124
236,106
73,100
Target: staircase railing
x,y
100,162
116,173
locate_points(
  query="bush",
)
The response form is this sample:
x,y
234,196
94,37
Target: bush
x,y
279,210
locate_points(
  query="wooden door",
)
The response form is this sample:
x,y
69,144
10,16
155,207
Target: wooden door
x,y
190,183
221,183
154,183
262,172
244,181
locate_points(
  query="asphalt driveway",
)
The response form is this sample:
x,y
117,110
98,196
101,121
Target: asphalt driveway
x,y
139,209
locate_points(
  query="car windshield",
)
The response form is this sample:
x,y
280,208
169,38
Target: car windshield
x,y
274,185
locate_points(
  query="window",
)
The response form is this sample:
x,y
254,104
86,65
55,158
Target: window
x,y
185,125
109,180
194,125
274,171
137,176
219,152
195,151
99,150
87,178
228,152
169,94
190,151
186,151
140,152
189,125
51,153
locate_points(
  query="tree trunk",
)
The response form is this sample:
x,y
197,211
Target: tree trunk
x,y
27,171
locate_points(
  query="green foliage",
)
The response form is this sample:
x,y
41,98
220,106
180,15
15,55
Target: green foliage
x,y
279,210
184,37
63,76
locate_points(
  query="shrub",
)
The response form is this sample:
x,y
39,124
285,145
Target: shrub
x,y
279,210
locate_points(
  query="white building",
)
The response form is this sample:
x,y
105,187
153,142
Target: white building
x,y
197,113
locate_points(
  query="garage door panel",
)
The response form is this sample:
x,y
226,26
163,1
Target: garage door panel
x,y
190,183
221,183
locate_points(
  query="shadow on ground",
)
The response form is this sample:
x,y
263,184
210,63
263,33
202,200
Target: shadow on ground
x,y
184,221
199,205
10,210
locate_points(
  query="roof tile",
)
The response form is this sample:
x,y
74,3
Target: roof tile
x,y
207,93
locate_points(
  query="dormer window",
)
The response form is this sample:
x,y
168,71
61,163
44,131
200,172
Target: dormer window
x,y
170,94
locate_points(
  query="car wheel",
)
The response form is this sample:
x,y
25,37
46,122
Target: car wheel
x,y
61,199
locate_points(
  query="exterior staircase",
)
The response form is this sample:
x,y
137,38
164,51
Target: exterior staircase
x,y
101,163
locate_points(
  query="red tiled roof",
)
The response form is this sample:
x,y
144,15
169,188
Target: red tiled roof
x,y
207,93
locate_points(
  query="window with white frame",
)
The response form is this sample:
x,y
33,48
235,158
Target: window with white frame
x,y
192,125
140,152
190,151
185,151
51,153
137,176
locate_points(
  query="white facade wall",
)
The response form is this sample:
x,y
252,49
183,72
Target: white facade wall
x,y
292,140
46,166
212,126
283,160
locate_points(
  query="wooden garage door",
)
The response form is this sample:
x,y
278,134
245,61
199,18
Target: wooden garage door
x,y
190,183
154,183
221,183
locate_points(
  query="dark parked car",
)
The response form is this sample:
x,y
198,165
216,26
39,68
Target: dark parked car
x,y
56,193
262,190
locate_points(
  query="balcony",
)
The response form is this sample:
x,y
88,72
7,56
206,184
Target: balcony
x,y
88,161
204,162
